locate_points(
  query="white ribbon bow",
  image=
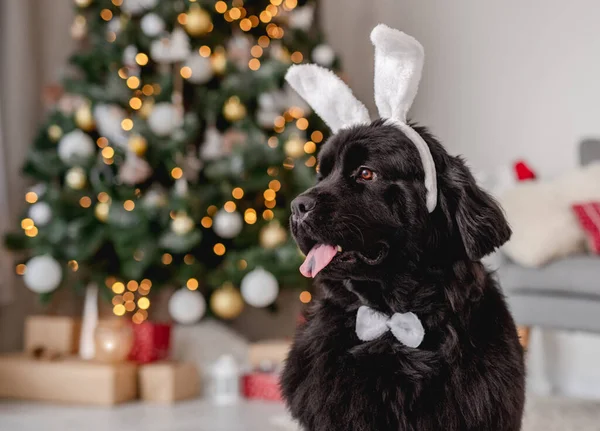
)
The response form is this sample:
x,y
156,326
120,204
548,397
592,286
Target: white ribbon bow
x,y
372,324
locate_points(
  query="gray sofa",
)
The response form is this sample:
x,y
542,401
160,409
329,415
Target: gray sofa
x,y
564,294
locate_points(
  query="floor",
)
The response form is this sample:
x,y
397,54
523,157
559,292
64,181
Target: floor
x,y
543,414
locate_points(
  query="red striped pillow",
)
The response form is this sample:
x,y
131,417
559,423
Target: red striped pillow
x,y
589,218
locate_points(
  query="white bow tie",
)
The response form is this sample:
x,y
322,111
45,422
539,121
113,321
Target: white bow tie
x,y
372,324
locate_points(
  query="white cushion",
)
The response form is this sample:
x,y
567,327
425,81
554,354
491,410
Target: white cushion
x,y
540,215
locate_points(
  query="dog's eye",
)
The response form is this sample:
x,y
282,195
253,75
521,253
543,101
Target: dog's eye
x,y
366,174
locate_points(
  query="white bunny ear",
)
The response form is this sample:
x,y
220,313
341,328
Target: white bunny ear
x,y
328,95
398,65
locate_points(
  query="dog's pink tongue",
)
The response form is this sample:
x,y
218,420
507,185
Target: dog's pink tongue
x,y
318,258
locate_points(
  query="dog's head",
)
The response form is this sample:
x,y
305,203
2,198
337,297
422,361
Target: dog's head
x,y
369,206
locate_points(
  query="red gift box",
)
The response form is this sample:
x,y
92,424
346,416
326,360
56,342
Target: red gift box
x,y
151,342
261,386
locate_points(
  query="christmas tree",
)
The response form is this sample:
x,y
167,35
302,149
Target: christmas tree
x,y
171,154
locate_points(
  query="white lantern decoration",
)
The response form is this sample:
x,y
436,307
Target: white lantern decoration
x,y
42,274
75,147
152,25
202,71
224,383
227,225
186,306
40,213
259,288
164,119
324,55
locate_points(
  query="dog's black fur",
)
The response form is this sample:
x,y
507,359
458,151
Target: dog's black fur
x,y
468,373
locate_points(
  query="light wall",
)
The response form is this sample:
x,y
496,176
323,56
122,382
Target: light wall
x,y
503,80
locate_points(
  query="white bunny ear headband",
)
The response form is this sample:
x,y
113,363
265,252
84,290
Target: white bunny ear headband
x,y
398,66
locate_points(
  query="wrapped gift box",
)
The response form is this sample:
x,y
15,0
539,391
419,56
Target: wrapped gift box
x,y
167,382
268,355
59,334
68,380
151,342
261,386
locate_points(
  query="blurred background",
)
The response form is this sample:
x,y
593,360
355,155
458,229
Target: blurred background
x,y
150,150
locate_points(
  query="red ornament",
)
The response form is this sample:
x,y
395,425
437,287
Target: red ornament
x,y
151,342
261,386
523,171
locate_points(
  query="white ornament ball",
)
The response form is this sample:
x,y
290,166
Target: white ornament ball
x,y
129,55
75,147
259,288
164,119
136,7
43,274
40,213
227,225
323,55
152,25
186,306
202,70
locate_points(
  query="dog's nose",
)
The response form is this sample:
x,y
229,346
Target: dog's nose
x,y
302,205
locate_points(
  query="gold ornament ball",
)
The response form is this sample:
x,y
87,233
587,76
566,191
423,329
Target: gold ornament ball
x,y
84,118
54,133
294,147
138,144
113,340
101,211
198,22
272,235
227,302
234,110
75,178
218,62
83,3
182,224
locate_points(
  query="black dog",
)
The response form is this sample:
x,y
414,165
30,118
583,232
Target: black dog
x,y
369,202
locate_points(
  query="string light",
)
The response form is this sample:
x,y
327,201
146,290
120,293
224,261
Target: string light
x,y
31,197
229,206
235,13
265,16
242,264
254,64
273,142
290,4
246,24
132,285
31,233
129,205
20,269
103,197
311,161
272,9
106,14
141,59
192,284
271,204
227,17
269,195
310,147
135,103
268,215
221,7
118,287
188,259
55,132
85,202
276,2
302,124
204,51
279,121
275,185
256,51
119,310
206,222
297,57
157,88
237,193
305,297
264,41
272,171
182,18
108,153
122,73
73,265
167,259
212,210
127,124
250,216
219,249
316,136
129,306
176,173
101,142
117,2
133,82
296,112
186,72
27,223
143,303
288,163
117,299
